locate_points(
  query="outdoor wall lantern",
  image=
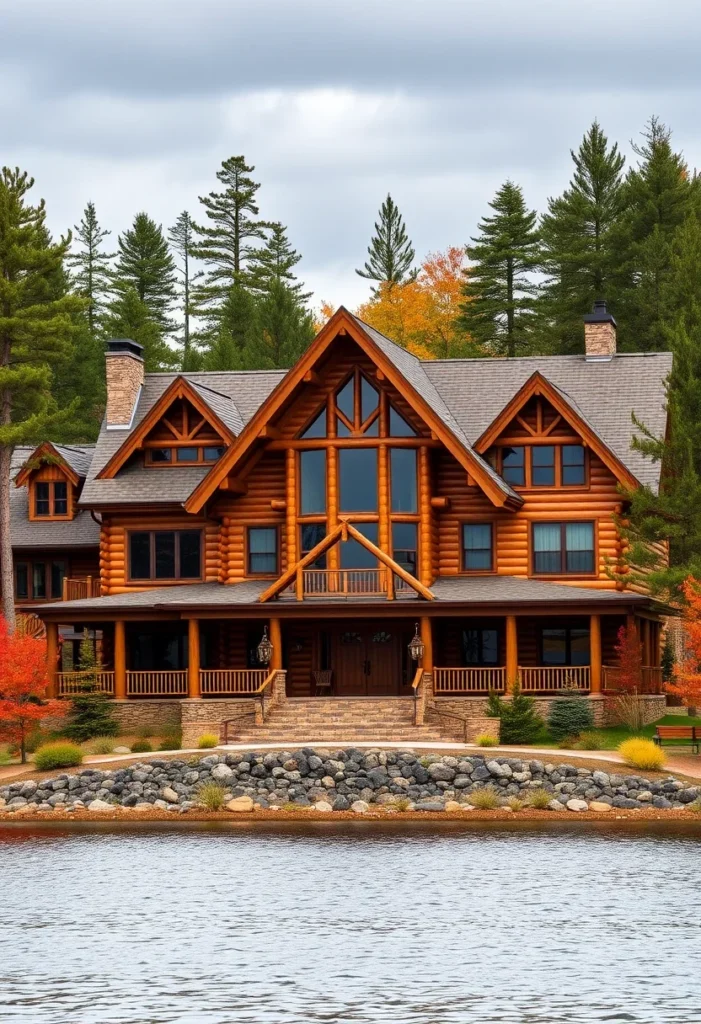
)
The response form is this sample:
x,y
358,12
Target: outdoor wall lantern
x,y
265,648
416,647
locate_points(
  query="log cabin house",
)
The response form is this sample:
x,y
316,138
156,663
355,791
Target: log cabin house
x,y
366,539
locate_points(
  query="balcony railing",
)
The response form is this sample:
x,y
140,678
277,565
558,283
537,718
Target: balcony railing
x,y
348,583
550,679
231,680
157,684
650,679
79,589
69,683
447,681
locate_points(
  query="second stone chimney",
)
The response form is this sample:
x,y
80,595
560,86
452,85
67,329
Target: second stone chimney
x,y
599,333
124,377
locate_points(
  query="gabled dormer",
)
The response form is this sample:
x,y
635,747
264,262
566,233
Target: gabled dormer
x,y
52,476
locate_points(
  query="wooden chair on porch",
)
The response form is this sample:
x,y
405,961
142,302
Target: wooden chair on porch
x,y
323,682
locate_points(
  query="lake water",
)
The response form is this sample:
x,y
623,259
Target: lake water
x,y
329,922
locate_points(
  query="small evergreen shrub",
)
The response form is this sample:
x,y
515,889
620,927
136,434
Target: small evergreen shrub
x,y
102,745
520,722
570,715
539,799
57,755
485,740
641,753
141,747
485,798
211,795
91,712
208,740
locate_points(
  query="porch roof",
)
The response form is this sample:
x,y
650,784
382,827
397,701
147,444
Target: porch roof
x,y
478,591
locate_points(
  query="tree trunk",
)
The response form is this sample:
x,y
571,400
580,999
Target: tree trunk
x,y
7,582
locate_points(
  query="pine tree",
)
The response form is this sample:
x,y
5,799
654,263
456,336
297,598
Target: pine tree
x,y
225,245
91,711
36,334
274,262
577,247
500,307
91,267
285,330
520,722
129,317
144,263
181,237
235,334
390,251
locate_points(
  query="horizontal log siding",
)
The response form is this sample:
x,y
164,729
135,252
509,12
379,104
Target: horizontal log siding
x,y
512,529
265,481
114,555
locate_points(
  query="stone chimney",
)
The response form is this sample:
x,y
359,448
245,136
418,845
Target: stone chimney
x,y
125,377
599,333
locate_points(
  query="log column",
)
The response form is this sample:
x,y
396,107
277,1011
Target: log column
x,y
291,499
276,641
333,555
595,655
383,499
425,561
511,652
193,658
120,660
427,640
52,657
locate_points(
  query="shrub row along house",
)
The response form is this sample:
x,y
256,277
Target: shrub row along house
x,y
366,542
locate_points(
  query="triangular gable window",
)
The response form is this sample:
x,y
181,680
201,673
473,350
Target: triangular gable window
x,y
357,407
317,428
398,426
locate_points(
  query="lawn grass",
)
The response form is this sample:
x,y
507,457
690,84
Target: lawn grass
x,y
613,735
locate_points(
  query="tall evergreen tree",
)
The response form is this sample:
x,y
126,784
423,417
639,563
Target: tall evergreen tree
x,y
275,262
285,330
390,253
576,232
659,195
500,307
91,266
181,237
226,243
36,332
145,263
235,334
130,317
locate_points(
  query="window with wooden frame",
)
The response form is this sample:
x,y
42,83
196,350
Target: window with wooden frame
x,y
183,437
542,465
185,455
565,645
165,555
563,549
358,409
262,551
39,580
477,547
49,499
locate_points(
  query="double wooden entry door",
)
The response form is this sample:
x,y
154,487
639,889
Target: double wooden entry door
x,y
367,661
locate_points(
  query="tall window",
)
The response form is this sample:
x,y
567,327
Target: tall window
x,y
311,534
165,555
405,546
357,479
262,550
312,472
403,479
565,645
480,646
354,555
513,466
543,465
477,554
560,548
50,498
574,469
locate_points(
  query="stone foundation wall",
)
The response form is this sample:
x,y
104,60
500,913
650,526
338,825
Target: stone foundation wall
x,y
654,707
203,715
133,715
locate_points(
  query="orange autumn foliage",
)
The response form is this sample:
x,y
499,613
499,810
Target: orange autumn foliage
x,y
421,315
325,312
687,674
23,682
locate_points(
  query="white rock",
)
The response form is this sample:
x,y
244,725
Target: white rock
x,y
222,773
577,805
360,807
100,805
121,750
240,804
160,805
170,795
322,805
555,805
328,783
600,806
145,806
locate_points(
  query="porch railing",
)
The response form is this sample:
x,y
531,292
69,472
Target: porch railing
x,y
231,680
79,589
650,679
157,684
69,683
447,681
343,582
550,679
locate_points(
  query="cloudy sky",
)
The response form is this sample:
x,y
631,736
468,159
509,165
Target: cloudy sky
x,y
134,104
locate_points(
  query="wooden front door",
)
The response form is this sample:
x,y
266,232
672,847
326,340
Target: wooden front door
x,y
367,662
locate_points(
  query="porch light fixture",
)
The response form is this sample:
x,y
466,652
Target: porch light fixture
x,y
265,648
416,647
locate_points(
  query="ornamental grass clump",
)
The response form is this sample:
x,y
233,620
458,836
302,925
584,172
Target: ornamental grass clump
x,y
485,798
171,741
207,741
211,795
57,755
102,745
141,747
590,740
485,740
641,753
539,799
514,803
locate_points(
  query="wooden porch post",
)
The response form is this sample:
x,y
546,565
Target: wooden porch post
x,y
120,660
595,654
427,638
276,641
52,657
511,652
425,518
193,658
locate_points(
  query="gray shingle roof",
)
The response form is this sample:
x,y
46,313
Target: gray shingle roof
x,y
506,589
82,531
606,393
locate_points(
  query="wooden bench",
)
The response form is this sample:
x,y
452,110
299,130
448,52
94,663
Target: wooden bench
x,y
691,733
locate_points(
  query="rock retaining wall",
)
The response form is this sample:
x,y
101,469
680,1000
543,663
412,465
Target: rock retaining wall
x,y
340,780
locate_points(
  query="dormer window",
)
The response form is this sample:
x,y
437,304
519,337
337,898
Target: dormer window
x,y
184,455
51,499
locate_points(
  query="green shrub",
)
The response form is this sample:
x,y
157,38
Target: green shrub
x,y
485,798
91,712
485,740
211,795
695,806
141,747
590,740
5,757
520,722
539,799
146,732
102,745
208,740
570,715
567,743
171,741
57,755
